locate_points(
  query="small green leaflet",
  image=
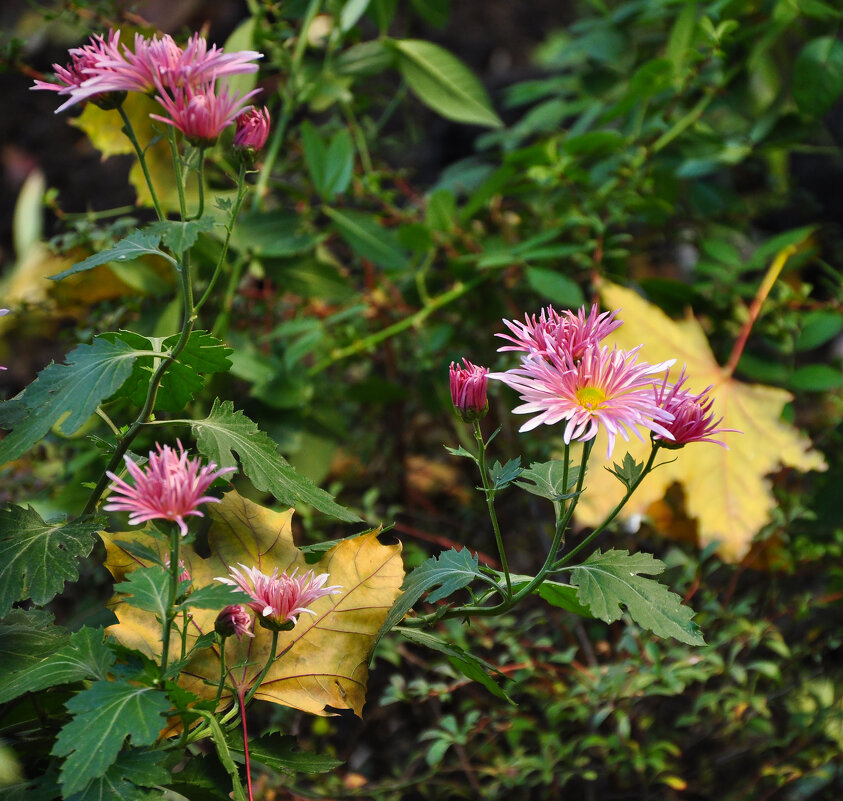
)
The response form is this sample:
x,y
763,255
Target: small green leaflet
x,y
609,581
149,588
26,637
503,475
330,164
123,781
472,667
226,431
203,354
85,657
452,569
627,473
37,557
214,596
136,244
93,373
181,236
547,480
104,715
282,754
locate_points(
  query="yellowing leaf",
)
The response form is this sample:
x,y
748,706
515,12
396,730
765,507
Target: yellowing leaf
x,y
326,661
727,492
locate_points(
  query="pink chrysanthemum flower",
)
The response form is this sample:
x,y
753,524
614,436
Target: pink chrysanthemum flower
x,y
605,389
693,420
170,487
161,64
563,333
468,390
252,130
86,64
280,598
234,620
200,113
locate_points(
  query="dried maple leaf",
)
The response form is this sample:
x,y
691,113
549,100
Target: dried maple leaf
x,y
327,657
727,492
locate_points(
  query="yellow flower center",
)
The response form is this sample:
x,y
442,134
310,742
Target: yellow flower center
x,y
590,397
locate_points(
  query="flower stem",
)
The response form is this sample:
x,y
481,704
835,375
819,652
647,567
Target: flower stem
x,y
129,130
222,641
246,740
262,676
614,513
175,538
174,151
490,503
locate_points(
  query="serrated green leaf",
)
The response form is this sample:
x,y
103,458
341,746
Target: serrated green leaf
x,y
610,581
149,588
503,475
226,431
368,239
125,779
440,80
86,656
136,244
452,569
563,596
546,479
68,392
282,754
37,557
180,236
202,355
628,472
104,715
214,596
471,666
26,637
460,451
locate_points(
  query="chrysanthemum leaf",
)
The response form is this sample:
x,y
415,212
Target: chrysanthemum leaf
x,y
326,664
69,393
727,492
104,715
147,588
282,753
225,432
36,557
547,479
127,779
611,582
135,245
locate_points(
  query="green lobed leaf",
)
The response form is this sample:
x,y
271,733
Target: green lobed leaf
x,y
86,656
69,393
369,239
609,581
546,479
282,754
104,715
214,596
503,475
125,779
203,354
440,80
149,588
563,596
37,557
26,637
452,569
628,472
180,236
136,244
471,666
226,431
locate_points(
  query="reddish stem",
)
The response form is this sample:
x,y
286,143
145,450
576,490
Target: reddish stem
x,y
245,741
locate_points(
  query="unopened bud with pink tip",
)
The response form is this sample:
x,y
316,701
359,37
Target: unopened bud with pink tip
x,y
468,391
252,132
234,620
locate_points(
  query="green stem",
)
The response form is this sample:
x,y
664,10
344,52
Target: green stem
x,y
457,291
201,178
490,503
175,538
174,151
129,130
222,641
235,211
614,513
183,634
359,138
288,104
265,670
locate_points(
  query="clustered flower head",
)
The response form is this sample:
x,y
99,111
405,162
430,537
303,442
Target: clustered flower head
x,y
693,420
280,598
170,487
251,131
468,390
567,376
234,619
182,79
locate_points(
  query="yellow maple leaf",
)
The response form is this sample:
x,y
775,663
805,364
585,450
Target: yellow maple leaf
x,y
325,656
727,492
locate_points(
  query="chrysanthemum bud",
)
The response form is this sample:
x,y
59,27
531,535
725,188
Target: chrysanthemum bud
x,y
468,391
234,620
